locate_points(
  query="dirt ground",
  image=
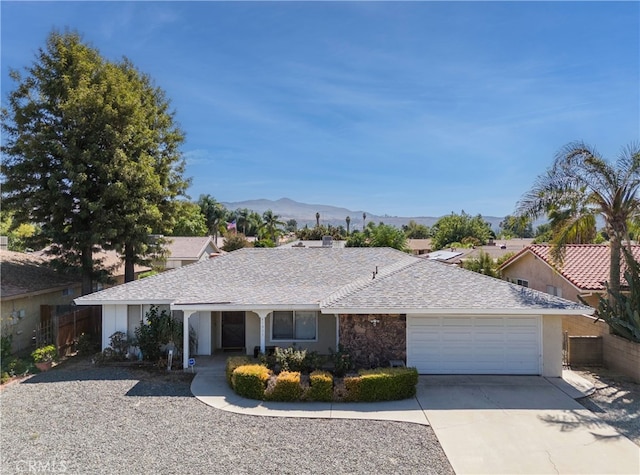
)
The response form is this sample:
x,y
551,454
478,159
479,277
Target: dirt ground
x,y
616,400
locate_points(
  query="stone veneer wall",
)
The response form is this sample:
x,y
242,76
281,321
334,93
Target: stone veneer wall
x,y
372,346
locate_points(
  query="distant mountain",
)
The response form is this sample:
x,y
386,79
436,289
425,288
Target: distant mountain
x,y
305,213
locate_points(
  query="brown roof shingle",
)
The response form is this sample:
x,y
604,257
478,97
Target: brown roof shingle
x,y
26,273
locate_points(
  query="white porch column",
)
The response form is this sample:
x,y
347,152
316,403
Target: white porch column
x,y
337,330
185,339
262,314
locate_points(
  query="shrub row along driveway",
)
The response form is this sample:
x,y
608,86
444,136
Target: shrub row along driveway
x,y
81,419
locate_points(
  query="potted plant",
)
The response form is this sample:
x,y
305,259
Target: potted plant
x,y
44,356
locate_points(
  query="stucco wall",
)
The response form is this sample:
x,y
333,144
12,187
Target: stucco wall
x,y
539,275
326,334
374,345
552,346
22,328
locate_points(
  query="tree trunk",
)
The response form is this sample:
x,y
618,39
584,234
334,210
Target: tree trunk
x,y
614,268
86,265
129,263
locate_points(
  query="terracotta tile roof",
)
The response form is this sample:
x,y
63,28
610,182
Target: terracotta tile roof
x,y
27,273
585,265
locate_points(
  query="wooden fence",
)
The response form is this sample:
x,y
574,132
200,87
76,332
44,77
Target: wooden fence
x,y
63,326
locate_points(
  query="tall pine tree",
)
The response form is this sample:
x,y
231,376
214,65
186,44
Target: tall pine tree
x,y
91,154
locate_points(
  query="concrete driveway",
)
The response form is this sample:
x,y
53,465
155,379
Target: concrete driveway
x,y
520,424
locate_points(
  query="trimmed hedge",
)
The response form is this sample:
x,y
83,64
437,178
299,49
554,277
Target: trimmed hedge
x,y
254,381
286,388
352,386
250,380
387,384
321,388
232,363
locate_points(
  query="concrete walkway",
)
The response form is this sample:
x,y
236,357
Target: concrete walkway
x,y
210,386
485,424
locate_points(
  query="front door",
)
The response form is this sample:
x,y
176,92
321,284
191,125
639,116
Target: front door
x,y
232,330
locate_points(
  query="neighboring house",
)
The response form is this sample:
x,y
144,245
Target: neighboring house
x,y
495,249
327,242
380,303
419,246
26,284
110,260
184,250
583,273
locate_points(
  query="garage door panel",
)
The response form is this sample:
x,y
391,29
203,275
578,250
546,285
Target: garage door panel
x,y
474,345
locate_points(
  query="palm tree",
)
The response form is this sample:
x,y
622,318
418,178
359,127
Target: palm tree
x,y
215,214
242,219
271,225
584,183
348,220
317,219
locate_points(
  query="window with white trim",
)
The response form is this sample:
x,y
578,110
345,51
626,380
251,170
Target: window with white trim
x,y
522,282
294,325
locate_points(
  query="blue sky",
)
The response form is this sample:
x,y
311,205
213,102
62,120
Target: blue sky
x,y
409,109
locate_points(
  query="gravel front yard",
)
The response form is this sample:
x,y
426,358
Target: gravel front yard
x,y
616,400
81,419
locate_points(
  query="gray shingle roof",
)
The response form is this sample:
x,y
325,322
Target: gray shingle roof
x,y
256,277
432,285
22,273
333,279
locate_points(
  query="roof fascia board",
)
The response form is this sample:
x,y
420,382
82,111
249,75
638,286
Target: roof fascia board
x,y
85,301
35,293
242,307
459,311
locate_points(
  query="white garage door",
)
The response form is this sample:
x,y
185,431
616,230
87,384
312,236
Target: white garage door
x,y
473,344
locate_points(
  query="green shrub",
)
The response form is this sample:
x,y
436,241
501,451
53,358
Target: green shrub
x,y
45,354
290,359
313,361
160,329
342,361
87,345
321,386
352,387
387,384
18,367
287,387
232,363
6,341
250,381
4,377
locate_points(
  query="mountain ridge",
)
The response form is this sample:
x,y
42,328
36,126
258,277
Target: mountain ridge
x,y
305,213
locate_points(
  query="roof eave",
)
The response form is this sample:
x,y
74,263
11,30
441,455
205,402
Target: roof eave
x,y
88,301
460,311
225,307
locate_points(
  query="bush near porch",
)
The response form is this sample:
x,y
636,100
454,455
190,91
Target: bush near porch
x,y
256,381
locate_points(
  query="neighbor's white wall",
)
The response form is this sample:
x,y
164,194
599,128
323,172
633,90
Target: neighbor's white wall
x,y
201,323
552,346
252,331
114,319
134,316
